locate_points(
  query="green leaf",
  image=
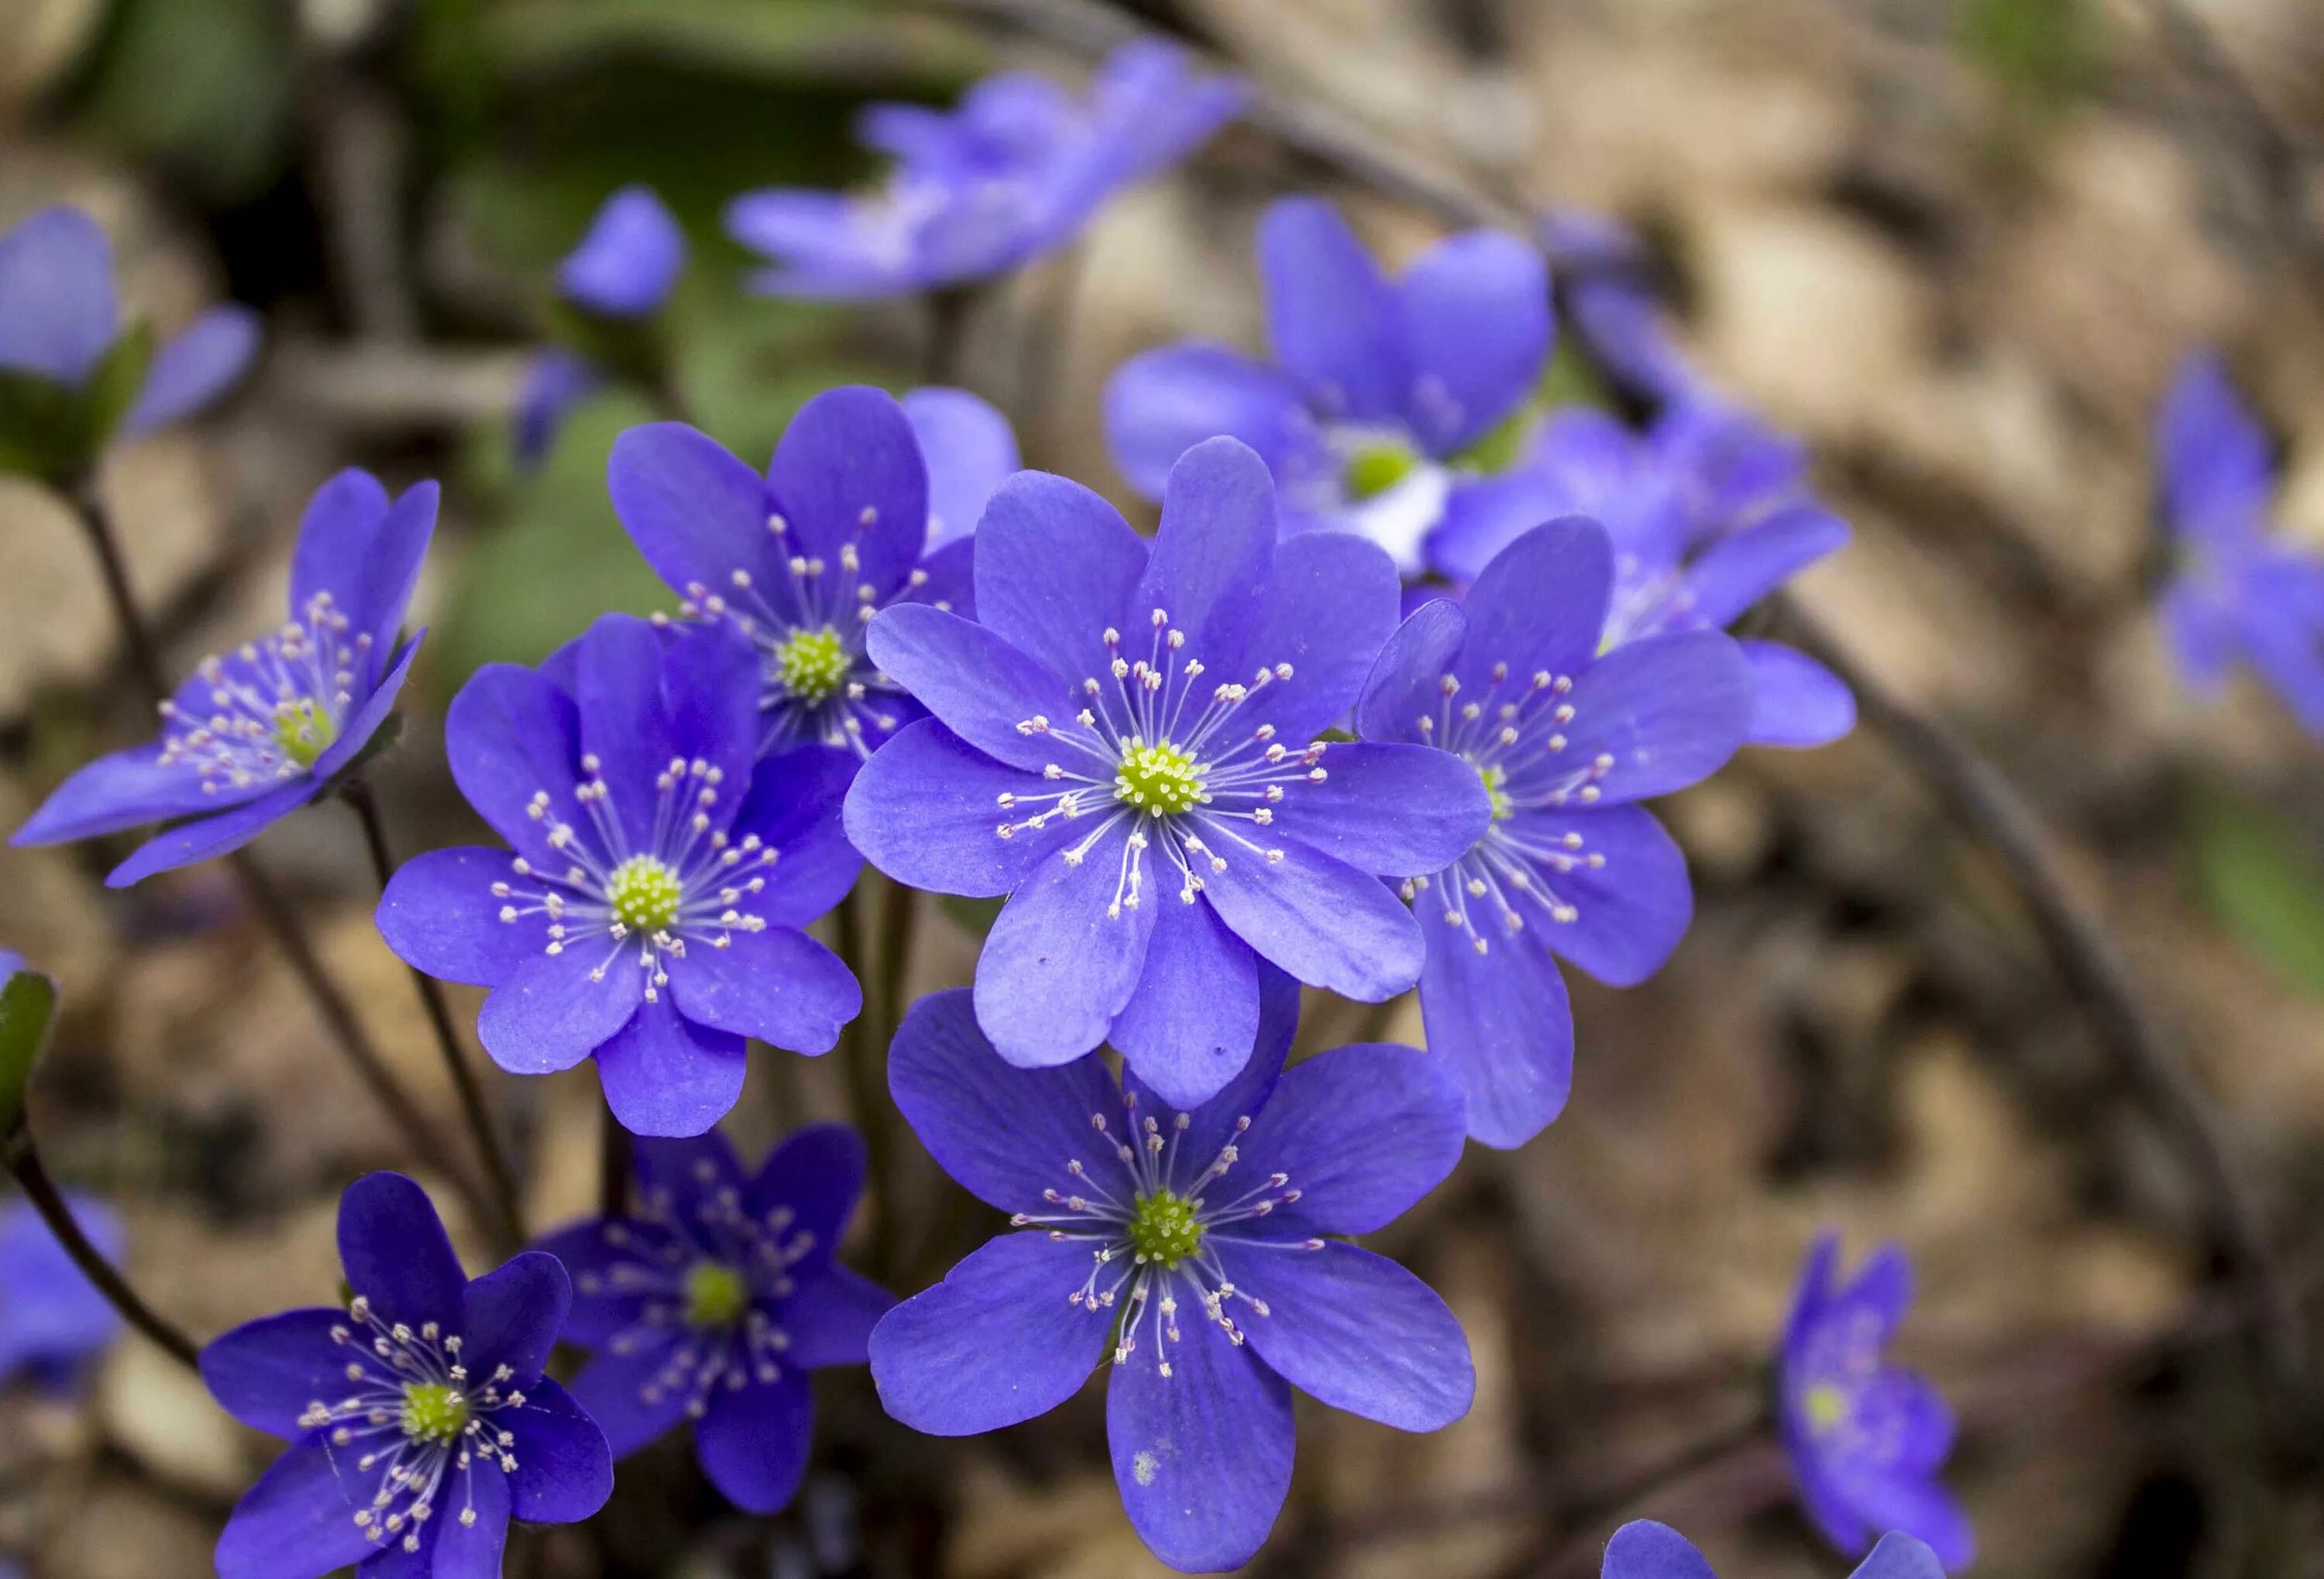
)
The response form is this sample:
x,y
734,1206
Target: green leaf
x,y
2263,882
779,39
2043,53
54,431
204,86
28,1006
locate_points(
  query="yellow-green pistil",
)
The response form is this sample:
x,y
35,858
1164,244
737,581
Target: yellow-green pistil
x,y
1161,780
1165,1229
1497,779
715,1295
433,1412
303,729
1827,1407
645,894
813,664
1376,468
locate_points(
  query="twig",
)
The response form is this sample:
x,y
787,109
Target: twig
x,y
24,1162
866,1061
503,1178
614,1166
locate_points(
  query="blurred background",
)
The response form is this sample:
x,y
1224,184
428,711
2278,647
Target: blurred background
x,y
1957,245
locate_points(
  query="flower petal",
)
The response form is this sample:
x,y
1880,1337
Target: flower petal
x,y
1476,320
752,1441
622,1393
1331,316
829,1320
847,475
664,1075
1364,1132
778,985
1921,1509
1628,912
2214,456
395,1252
1740,569
1389,809
926,810
1162,404
1003,1133
558,1009
1406,681
817,1174
514,1313
1356,1331
696,513
1212,1124
1333,603
592,1252
197,365
969,450
794,807
1202,1455
554,382
509,733
1642,1549
1063,956
1503,1020
265,1373
630,258
1538,606
1795,701
1321,920
1901,1557
298,1522
979,685
1055,566
210,837
994,1344
1668,711
440,915
367,554
460,1546
127,789
58,315
628,722
1189,1025
1210,564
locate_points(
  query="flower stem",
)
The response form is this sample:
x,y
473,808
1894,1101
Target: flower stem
x,y
866,1063
88,508
613,1167
24,1162
900,926
508,1208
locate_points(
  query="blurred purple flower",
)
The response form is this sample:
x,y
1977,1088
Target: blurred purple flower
x,y
1011,173
716,1299
643,916
624,270
419,1420
1866,1438
2234,591
59,320
1607,281
1644,1549
1708,511
52,1321
1375,387
1201,1246
258,732
845,522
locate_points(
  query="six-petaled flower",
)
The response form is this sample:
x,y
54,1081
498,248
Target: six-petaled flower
x,y
648,910
1866,1438
419,1420
1193,1248
714,1301
1377,386
259,731
1644,1549
1126,745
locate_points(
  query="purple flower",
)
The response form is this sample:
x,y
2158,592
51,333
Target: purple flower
x,y
52,1321
1607,288
969,450
801,560
2234,592
622,272
419,1420
59,320
1013,172
1644,1549
1708,511
1514,686
1375,387
714,1303
1864,1437
256,732
649,910
1192,1244
1126,746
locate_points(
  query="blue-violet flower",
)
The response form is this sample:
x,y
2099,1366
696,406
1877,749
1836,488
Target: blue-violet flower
x,y
1644,1549
1193,1245
622,272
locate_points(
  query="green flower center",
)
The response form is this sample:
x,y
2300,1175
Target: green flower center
x,y
1826,1404
1376,468
433,1412
1497,779
1159,779
303,729
644,893
1165,1229
715,1295
813,664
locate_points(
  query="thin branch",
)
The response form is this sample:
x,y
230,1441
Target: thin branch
x,y
866,1061
24,1162
614,1166
509,1211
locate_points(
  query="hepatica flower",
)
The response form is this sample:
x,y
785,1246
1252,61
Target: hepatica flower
x,y
52,1322
1644,1549
1709,513
1012,172
1512,685
1126,745
60,323
1866,1438
1192,1247
419,1420
620,274
715,1301
647,911
2234,592
1376,387
258,732
799,562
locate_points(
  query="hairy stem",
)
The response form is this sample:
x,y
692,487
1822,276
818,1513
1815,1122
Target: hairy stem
x,y
24,1162
866,1063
